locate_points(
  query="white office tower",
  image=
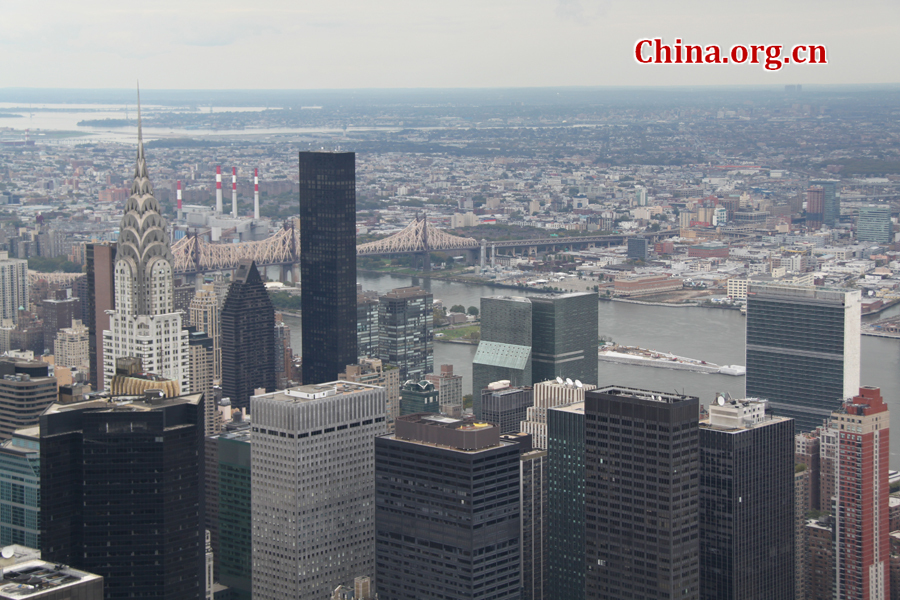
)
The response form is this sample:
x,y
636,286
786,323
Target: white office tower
x,y
550,394
13,287
313,478
144,323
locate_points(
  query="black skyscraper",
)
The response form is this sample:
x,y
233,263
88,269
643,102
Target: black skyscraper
x,y
328,263
248,337
447,521
642,463
746,503
121,494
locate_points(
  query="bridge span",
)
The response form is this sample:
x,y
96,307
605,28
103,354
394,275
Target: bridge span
x,y
194,254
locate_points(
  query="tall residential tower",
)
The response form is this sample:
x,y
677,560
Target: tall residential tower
x,y
328,263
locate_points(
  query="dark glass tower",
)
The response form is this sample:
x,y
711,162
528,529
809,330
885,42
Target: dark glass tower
x,y
505,348
802,350
832,209
406,339
746,504
565,501
121,494
234,557
447,511
248,337
642,457
328,263
564,337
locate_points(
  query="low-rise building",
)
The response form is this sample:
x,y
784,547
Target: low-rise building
x,y
645,285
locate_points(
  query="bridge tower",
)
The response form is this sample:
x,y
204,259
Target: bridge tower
x,y
423,258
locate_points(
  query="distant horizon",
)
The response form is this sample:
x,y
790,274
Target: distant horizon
x,y
776,86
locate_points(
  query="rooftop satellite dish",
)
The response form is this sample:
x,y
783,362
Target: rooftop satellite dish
x,y
559,380
720,400
569,381
578,383
7,552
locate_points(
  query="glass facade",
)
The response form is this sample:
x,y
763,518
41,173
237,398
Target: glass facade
x,y
248,337
367,326
235,557
506,408
533,466
565,502
328,263
447,520
832,208
121,495
564,337
641,514
874,224
419,397
801,355
747,511
406,325
20,491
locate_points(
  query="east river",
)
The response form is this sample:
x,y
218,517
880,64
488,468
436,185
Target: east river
x,y
712,335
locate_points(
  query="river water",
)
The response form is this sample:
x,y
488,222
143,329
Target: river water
x,y
712,335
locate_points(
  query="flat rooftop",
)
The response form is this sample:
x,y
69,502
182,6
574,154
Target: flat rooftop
x,y
639,394
124,404
307,393
575,407
36,577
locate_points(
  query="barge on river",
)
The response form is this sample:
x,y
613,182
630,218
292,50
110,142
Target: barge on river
x,y
634,355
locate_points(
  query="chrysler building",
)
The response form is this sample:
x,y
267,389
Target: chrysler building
x,y
144,323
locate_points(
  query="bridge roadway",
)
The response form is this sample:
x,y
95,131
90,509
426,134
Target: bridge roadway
x,y
193,255
582,239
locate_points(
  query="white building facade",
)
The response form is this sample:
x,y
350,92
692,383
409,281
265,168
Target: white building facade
x,y
144,323
313,480
550,394
72,346
13,287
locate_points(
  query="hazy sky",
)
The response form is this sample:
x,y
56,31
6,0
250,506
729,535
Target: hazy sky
x,y
295,44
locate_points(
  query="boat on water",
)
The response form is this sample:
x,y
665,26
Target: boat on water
x,y
635,355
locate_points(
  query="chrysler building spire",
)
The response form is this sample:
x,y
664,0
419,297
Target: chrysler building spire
x,y
144,323
143,246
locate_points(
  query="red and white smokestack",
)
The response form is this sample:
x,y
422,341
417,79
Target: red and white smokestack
x,y
256,193
218,189
178,195
234,192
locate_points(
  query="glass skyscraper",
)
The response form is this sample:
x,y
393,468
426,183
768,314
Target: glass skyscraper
x,y
803,350
746,503
564,337
874,224
248,337
642,464
539,338
328,263
122,494
831,212
406,325
447,511
505,348
565,502
20,486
